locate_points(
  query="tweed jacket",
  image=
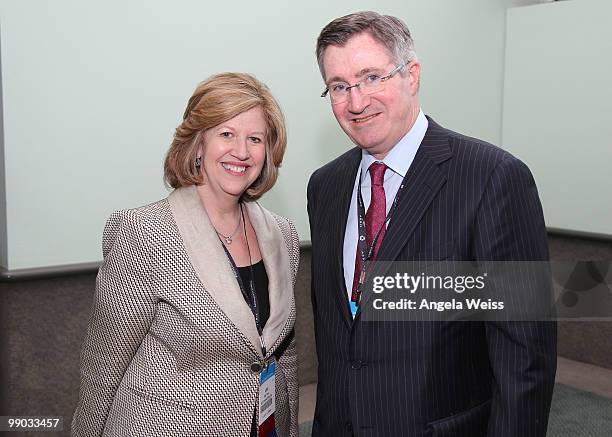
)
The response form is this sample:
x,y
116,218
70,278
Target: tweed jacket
x,y
171,340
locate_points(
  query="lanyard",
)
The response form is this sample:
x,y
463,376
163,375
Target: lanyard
x,y
249,295
365,251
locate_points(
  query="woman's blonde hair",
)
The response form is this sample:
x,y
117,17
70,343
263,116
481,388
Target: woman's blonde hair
x,y
218,99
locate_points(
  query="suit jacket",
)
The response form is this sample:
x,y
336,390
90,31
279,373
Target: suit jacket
x,y
171,339
464,200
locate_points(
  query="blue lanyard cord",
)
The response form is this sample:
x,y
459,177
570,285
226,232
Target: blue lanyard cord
x,y
365,251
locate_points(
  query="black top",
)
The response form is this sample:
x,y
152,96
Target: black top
x,y
263,300
261,288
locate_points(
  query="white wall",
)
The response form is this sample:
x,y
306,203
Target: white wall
x,y
558,108
92,92
3,226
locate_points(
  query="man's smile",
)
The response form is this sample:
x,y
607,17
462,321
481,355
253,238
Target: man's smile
x,y
364,119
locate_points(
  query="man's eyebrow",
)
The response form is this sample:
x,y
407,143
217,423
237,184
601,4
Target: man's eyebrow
x,y
358,75
367,70
335,79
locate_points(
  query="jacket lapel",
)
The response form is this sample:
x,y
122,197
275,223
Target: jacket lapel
x,y
422,183
341,198
276,260
210,261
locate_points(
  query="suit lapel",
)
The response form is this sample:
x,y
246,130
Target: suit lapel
x,y
280,285
422,183
210,261
340,198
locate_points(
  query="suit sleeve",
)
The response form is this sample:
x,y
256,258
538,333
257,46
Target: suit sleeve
x,y
311,204
122,312
510,227
288,360
289,363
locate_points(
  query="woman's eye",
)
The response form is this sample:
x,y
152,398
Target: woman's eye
x,y
255,140
226,134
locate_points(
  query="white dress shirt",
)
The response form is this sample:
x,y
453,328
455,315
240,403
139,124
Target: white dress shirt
x,y
398,161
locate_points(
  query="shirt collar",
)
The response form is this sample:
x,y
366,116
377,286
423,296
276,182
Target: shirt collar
x,y
402,154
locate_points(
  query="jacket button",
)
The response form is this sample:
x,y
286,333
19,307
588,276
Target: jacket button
x,y
348,426
356,365
256,367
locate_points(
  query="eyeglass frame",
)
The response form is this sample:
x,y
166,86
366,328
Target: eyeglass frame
x,y
383,79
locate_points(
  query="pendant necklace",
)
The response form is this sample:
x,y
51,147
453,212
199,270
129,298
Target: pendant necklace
x,y
228,238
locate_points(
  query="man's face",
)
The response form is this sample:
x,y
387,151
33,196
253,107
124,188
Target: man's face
x,y
375,122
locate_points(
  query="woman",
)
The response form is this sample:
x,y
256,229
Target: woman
x,y
194,300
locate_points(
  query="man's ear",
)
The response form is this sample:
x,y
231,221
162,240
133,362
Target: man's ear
x,y
414,74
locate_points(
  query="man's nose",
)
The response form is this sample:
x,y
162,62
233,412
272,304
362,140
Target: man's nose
x,y
357,100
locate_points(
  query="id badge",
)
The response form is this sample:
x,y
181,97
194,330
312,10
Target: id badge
x,y
267,400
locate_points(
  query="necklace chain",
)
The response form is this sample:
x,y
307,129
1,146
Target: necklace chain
x,y
228,238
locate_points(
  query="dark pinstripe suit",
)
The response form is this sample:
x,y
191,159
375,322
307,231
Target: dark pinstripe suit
x,y
465,200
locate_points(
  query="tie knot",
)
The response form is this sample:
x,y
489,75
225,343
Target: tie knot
x,y
377,173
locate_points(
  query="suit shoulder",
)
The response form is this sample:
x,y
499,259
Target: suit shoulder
x,y
143,215
489,166
286,225
476,147
135,223
289,234
481,155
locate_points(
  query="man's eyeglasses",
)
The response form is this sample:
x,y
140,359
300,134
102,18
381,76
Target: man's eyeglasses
x,y
338,92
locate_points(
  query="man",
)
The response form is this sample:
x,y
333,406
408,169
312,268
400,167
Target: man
x,y
459,198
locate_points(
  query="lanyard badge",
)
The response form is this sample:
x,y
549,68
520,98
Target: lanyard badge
x,y
267,400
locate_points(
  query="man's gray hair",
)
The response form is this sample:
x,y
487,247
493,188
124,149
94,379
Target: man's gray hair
x,y
386,29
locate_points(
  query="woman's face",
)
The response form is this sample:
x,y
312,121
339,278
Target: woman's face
x,y
233,153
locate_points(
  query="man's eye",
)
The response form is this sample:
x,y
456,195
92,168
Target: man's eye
x,y
338,87
372,78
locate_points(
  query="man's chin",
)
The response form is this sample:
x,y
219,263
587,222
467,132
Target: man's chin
x,y
364,143
373,148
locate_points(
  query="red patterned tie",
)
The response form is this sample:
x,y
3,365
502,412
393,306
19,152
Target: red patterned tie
x,y
374,219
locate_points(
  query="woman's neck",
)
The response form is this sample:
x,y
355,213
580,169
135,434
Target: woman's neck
x,y
222,210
